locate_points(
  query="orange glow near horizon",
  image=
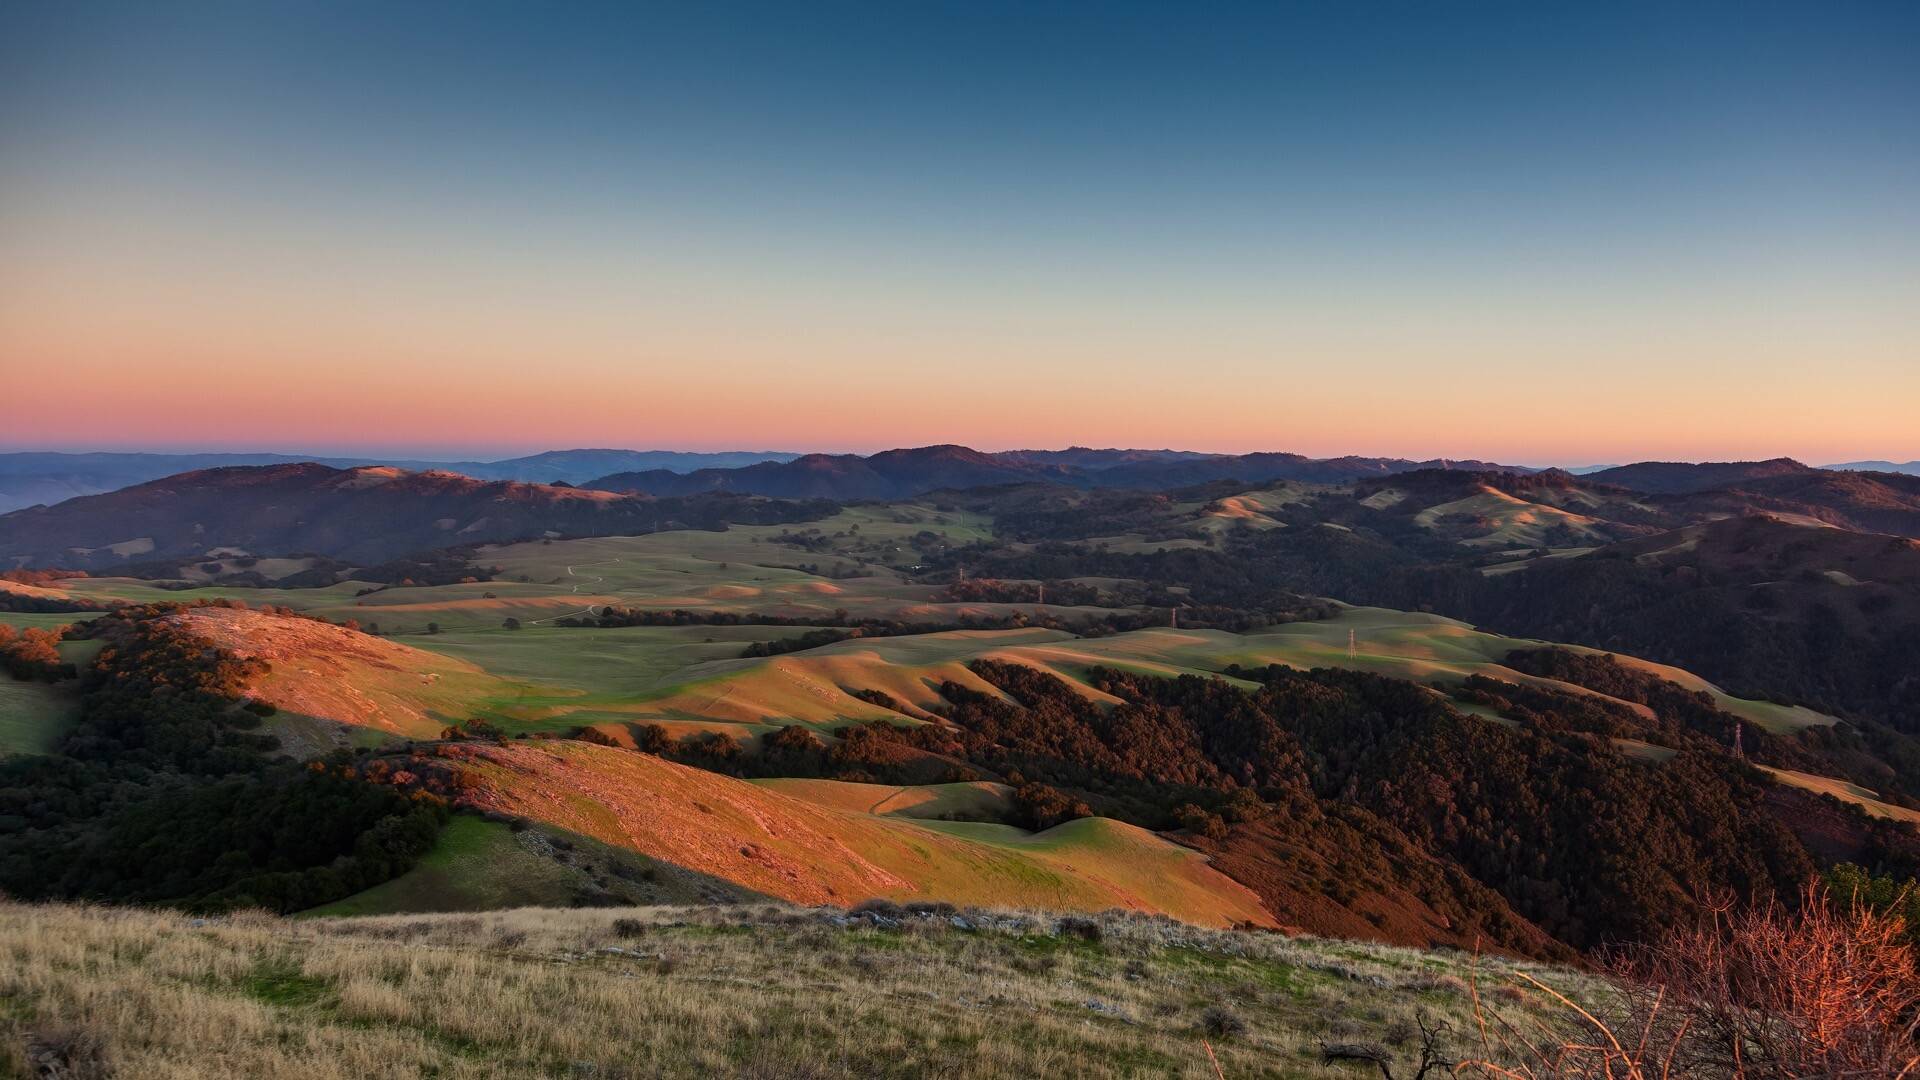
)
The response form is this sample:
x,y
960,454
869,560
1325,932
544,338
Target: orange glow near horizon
x,y
461,230
187,320
238,351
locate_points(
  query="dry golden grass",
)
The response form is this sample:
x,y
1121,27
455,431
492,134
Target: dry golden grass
x,y
760,991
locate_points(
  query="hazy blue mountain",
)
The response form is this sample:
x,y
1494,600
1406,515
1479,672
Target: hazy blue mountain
x,y
1911,468
45,477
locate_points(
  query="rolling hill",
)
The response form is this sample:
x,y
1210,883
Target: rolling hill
x,y
45,478
904,473
1874,502
814,852
1911,468
876,703
1680,477
1765,606
742,990
367,514
789,837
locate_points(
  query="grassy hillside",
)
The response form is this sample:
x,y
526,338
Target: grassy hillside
x,y
481,865
814,852
953,801
812,686
745,991
644,829
33,715
331,684
1854,794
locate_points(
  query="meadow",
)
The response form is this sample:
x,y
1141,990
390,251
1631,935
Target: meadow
x,y
33,715
778,842
334,688
749,990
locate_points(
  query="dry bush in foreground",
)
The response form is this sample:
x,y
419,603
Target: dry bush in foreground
x,y
1826,992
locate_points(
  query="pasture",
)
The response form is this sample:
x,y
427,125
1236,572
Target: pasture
x,y
813,853
33,715
745,990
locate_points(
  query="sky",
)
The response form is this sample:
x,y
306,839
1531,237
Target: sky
x,y
1527,232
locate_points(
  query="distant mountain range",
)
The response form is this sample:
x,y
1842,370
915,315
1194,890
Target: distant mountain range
x,y
1680,477
895,474
1911,468
366,515
40,477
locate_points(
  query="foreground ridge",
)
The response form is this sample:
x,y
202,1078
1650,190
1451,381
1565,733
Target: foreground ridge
x,y
746,990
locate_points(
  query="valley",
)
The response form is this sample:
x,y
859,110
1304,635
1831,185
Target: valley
x,y
715,703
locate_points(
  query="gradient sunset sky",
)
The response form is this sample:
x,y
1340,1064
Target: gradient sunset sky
x,y
1528,232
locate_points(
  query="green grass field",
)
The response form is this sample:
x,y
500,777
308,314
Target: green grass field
x,y
544,678
742,569
33,715
1865,798
476,866
814,686
974,799
548,678
480,865
20,620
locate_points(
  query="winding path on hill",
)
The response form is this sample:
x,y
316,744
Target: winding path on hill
x,y
589,609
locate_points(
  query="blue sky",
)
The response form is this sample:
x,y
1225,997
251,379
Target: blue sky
x,y
1533,230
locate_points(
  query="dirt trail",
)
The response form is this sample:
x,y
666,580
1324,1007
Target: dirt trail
x,y
589,609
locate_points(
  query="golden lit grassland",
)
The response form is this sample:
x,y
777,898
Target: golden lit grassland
x,y
1496,519
812,686
777,845
977,799
692,677
1865,798
739,991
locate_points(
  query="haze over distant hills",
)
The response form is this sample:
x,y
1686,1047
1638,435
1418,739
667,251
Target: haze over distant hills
x,y
1675,477
372,513
907,472
734,682
368,514
37,477
47,477
1912,468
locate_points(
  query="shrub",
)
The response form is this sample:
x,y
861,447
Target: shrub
x,y
1074,926
652,739
1220,1022
70,1053
1829,990
1201,823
